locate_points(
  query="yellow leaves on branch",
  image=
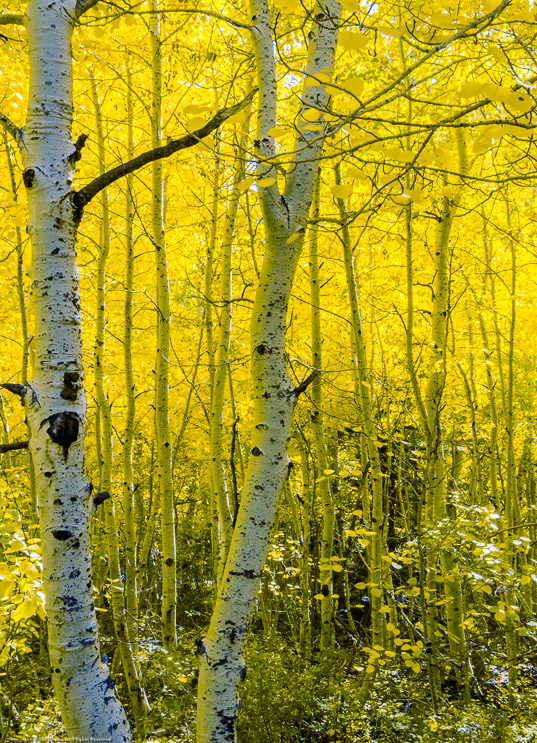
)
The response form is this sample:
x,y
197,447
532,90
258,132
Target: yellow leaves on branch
x,y
515,99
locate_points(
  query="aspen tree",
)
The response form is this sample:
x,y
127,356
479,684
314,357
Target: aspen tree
x,y
317,427
285,215
512,510
428,612
22,301
221,362
131,552
435,492
54,398
216,527
162,424
305,557
377,571
124,647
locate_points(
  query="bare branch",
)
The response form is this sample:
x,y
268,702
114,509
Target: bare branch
x,y
199,11
16,445
86,194
12,19
100,498
16,133
16,389
82,6
303,386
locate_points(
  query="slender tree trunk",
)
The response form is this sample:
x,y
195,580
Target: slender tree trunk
x,y
221,363
128,478
164,451
136,693
22,306
317,427
375,515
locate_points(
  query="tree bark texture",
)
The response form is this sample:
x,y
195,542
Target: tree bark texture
x,y
54,399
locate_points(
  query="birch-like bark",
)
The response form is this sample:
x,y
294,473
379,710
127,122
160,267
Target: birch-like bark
x,y
117,601
216,536
131,597
317,427
376,513
221,363
22,305
274,396
54,400
435,494
164,444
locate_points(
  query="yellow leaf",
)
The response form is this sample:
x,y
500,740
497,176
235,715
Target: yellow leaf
x,y
276,131
525,580
498,55
360,586
370,669
196,122
385,609
25,610
352,41
397,153
472,90
245,184
194,109
291,239
342,191
320,78
389,31
182,679
358,174
337,568
417,195
266,182
319,596
7,588
313,128
310,114
351,5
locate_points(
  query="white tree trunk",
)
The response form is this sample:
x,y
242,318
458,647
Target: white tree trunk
x,y
54,398
285,216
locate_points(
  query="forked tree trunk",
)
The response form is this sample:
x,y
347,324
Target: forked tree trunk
x,y
285,217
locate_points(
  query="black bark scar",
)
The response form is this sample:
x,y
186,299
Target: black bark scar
x,y
63,430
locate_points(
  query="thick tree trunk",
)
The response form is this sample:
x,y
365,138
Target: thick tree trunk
x,y
285,216
54,398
